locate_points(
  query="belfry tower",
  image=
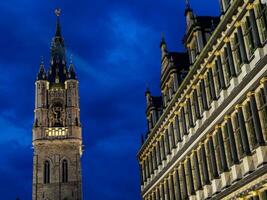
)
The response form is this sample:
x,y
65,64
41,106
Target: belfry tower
x,y
57,134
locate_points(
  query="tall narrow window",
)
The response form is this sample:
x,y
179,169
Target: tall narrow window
x,y
262,19
64,171
237,52
237,133
46,172
227,70
249,37
250,125
262,99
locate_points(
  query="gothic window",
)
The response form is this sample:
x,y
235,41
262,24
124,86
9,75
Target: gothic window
x,y
46,172
237,52
249,37
262,21
64,171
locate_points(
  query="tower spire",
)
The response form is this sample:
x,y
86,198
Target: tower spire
x,y
58,29
58,70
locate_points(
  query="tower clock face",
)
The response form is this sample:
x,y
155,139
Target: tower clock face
x,y
56,115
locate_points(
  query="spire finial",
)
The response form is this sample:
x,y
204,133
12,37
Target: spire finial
x,y
187,7
162,36
187,3
163,42
71,58
58,12
42,60
58,30
147,89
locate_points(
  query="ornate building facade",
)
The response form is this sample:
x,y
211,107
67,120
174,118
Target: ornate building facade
x,y
207,132
57,135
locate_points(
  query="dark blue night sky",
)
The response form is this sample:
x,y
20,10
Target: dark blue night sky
x,y
115,47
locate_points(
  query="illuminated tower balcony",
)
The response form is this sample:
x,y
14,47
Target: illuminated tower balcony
x,y
49,133
56,132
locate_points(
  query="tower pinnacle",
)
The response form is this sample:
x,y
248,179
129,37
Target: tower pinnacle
x,y
58,30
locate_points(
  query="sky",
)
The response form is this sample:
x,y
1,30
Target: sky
x,y
115,48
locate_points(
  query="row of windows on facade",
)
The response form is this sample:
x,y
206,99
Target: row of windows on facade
x,y
47,170
238,136
238,50
170,190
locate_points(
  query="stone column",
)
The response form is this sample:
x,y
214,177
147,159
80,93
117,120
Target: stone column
x,y
151,163
162,192
171,187
190,180
183,182
255,30
243,132
231,60
172,136
256,120
198,116
212,87
166,190
265,87
197,172
147,169
177,187
162,148
157,194
242,45
155,157
222,150
177,130
204,165
214,168
167,142
141,174
149,166
158,153
183,121
144,170
232,141
204,95
189,109
220,73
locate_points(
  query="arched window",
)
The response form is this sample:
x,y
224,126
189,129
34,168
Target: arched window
x,y
64,171
46,172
